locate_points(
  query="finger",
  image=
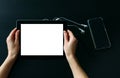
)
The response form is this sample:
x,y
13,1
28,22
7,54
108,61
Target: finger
x,y
66,37
17,36
12,33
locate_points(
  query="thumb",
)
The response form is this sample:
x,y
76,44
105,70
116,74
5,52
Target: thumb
x,y
70,34
17,36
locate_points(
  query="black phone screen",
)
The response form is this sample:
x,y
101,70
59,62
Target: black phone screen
x,y
98,33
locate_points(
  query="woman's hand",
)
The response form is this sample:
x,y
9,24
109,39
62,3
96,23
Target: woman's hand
x,y
70,43
13,49
13,43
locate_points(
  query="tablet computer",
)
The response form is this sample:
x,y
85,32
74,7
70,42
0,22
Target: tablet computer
x,y
41,38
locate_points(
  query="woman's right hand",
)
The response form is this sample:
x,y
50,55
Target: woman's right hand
x,y
70,43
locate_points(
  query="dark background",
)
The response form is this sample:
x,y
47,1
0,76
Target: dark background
x,y
99,64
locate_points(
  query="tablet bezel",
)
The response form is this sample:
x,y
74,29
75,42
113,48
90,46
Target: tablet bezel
x,y
28,21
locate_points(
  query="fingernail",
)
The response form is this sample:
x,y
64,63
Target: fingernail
x,y
64,31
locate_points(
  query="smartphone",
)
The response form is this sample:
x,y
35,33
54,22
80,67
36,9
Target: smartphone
x,y
98,33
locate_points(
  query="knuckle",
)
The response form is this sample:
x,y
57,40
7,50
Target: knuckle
x,y
8,39
75,40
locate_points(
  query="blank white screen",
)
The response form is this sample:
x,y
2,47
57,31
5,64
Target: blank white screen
x,y
41,39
